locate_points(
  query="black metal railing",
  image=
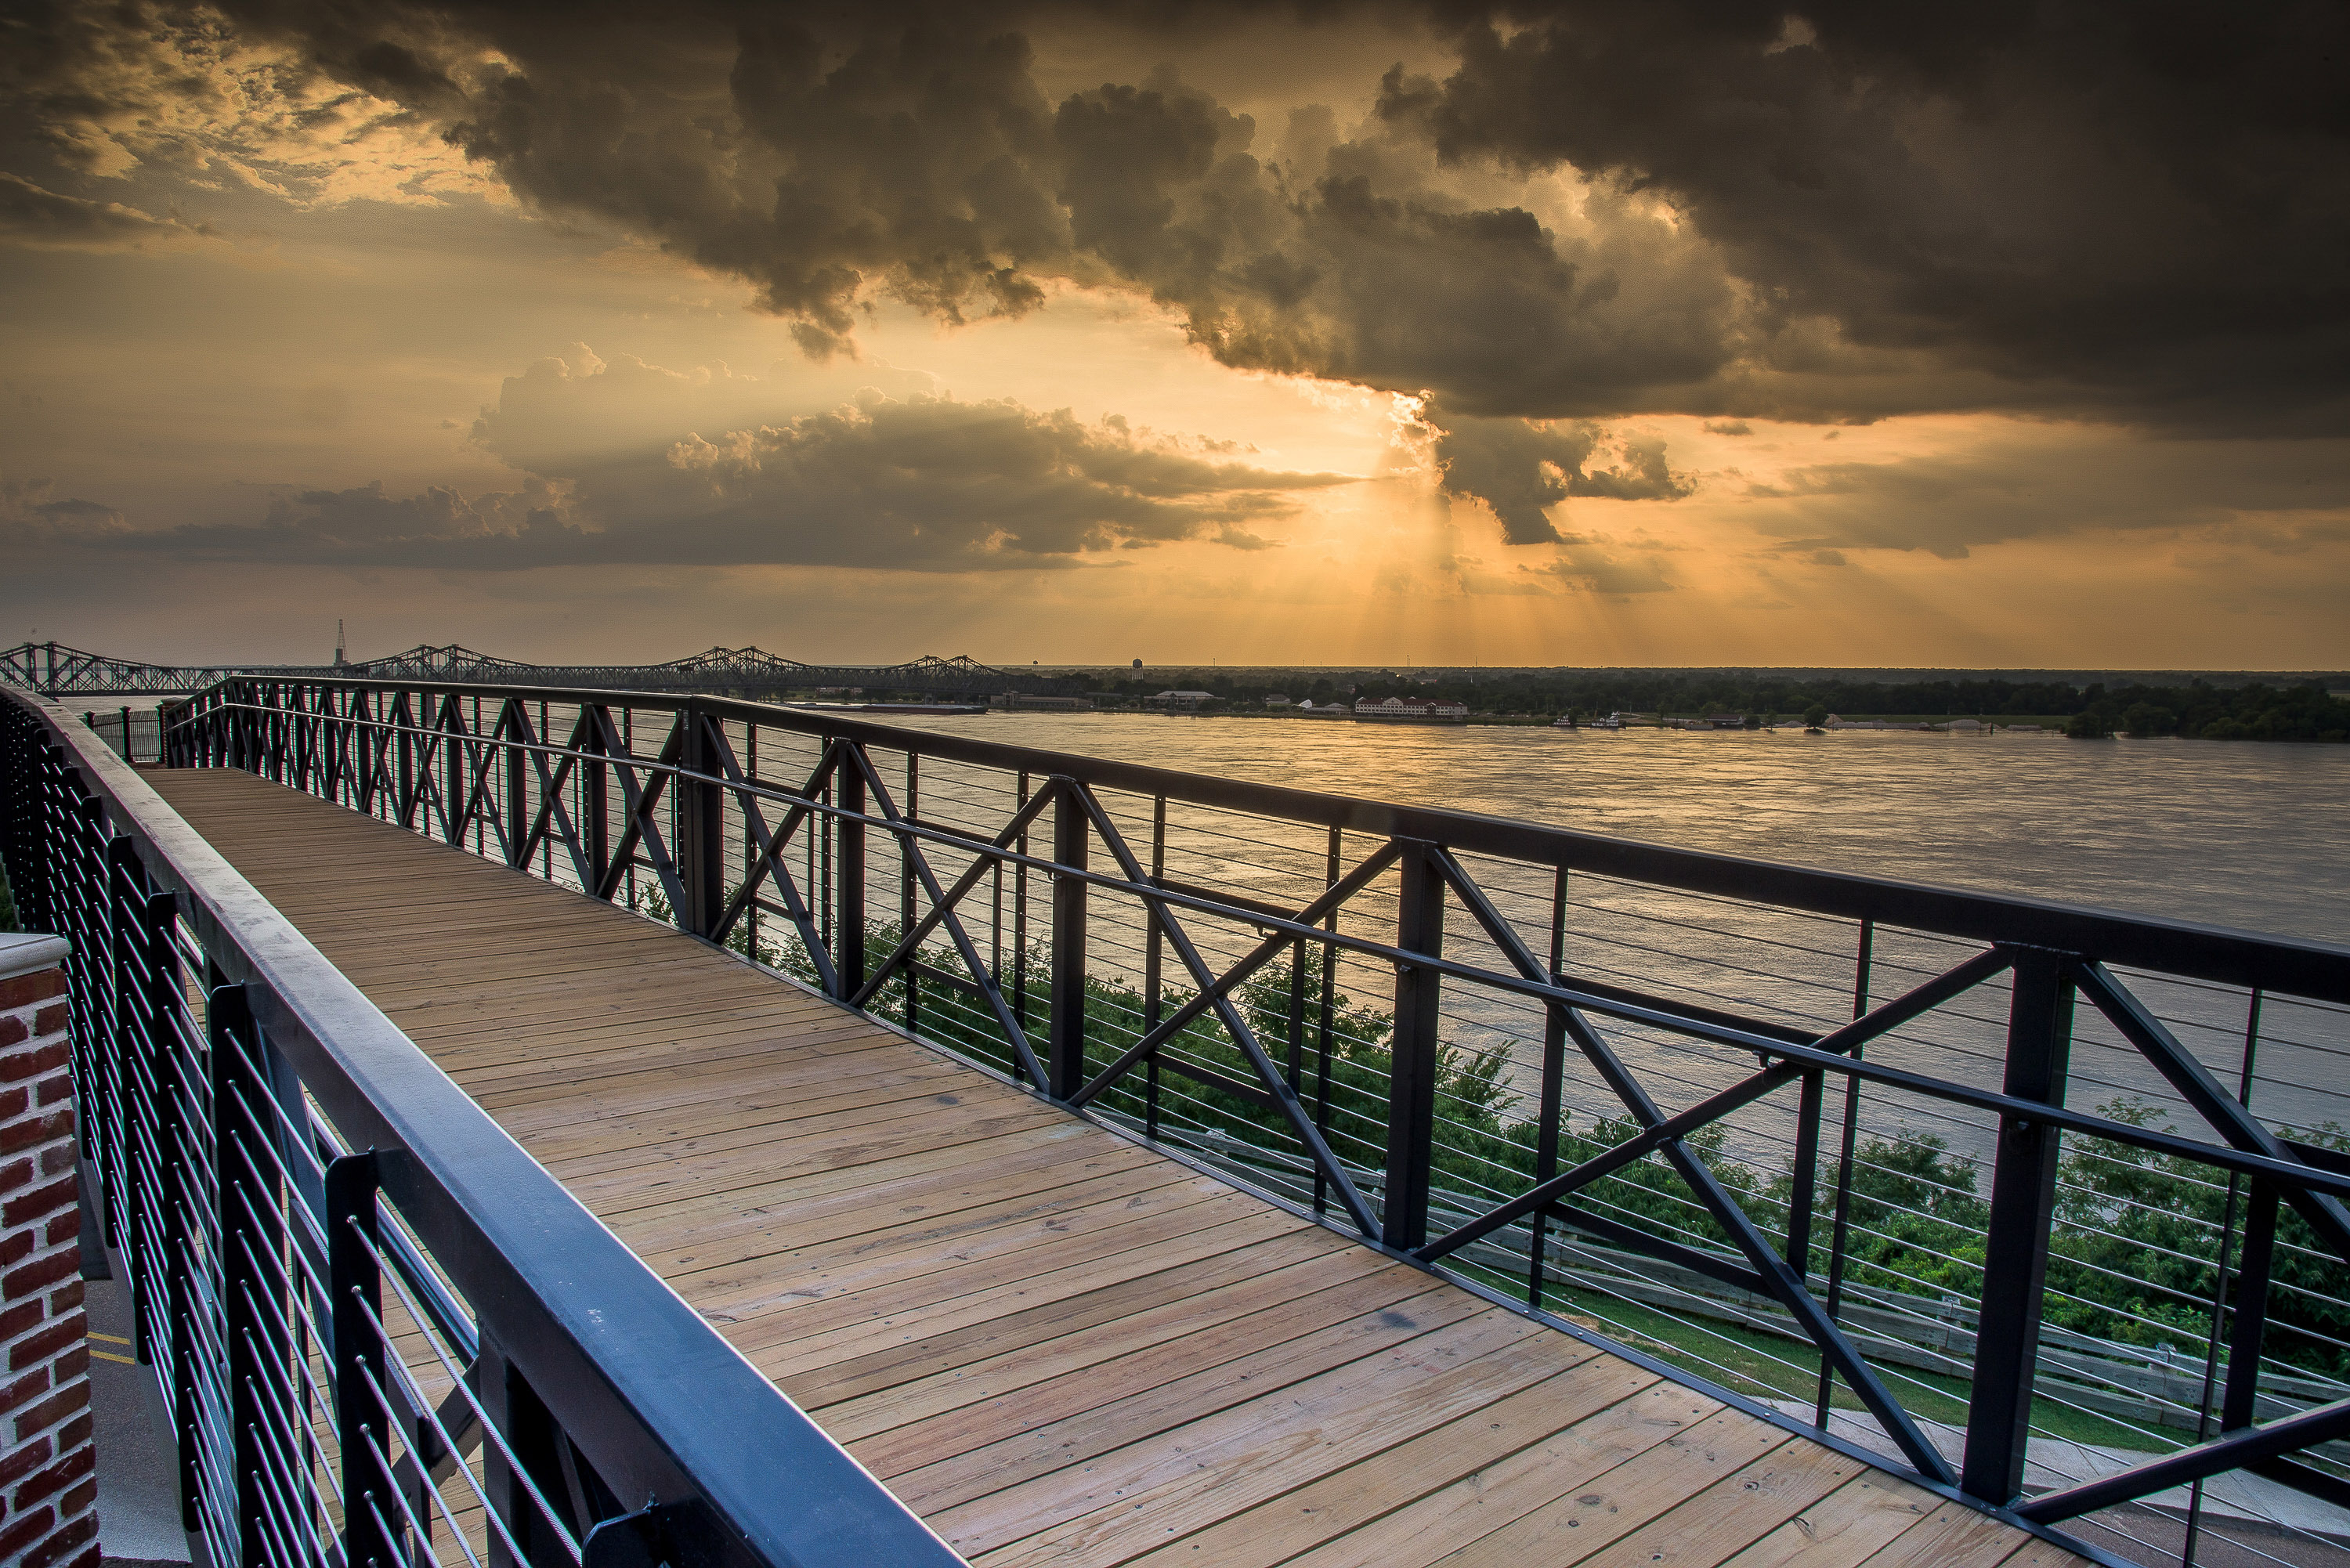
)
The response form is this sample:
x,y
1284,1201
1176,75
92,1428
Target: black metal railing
x,y
385,1336
1729,1113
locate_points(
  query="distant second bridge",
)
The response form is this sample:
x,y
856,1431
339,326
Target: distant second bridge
x,y
55,669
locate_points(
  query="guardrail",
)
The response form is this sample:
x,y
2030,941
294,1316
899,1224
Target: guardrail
x,y
384,1333
1578,1047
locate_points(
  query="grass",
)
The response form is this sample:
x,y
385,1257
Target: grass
x,y
1763,1366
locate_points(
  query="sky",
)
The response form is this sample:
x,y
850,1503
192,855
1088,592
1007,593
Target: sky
x,y
1348,332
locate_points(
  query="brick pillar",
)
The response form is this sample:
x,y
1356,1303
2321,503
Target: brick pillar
x,y
48,1468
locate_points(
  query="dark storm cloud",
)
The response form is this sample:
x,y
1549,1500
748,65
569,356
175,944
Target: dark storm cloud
x,y
919,483
1832,210
2105,206
1522,469
2130,207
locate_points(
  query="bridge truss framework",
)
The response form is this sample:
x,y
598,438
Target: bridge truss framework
x,y
55,669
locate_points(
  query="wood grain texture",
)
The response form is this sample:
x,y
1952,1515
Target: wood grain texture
x,y
1058,1346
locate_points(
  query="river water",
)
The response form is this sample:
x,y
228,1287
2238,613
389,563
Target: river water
x,y
2253,835
2235,833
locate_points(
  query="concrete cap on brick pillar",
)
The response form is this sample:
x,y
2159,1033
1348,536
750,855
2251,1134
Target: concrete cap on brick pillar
x,y
21,953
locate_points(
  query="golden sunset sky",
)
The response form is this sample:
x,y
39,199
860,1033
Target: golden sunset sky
x,y
1577,334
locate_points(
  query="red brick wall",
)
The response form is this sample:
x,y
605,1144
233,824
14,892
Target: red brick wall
x,y
48,1468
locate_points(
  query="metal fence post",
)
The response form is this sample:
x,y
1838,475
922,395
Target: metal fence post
x,y
361,1428
700,847
595,812
456,805
2240,1405
1065,1068
848,876
229,1022
514,726
404,746
2015,1266
1411,1080
179,1195
126,1040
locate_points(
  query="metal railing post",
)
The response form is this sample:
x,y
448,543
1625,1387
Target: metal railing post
x,y
848,878
514,726
181,1195
1412,1070
361,1430
404,743
2240,1405
1065,1067
228,1021
2015,1267
456,803
595,811
1551,1110
121,1045
700,847
1800,1201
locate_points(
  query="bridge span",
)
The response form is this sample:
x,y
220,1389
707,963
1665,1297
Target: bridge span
x,y
1055,1345
652,1130
54,669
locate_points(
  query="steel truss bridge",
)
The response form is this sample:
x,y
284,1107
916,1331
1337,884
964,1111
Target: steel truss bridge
x,y
54,669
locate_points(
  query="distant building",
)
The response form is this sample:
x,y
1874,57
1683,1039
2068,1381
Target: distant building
x,y
1396,711
1180,702
1966,726
1327,711
1726,720
1277,699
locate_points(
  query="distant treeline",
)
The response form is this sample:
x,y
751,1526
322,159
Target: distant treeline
x,y
2253,712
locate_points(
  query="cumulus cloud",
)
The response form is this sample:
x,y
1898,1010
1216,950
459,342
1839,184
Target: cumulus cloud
x,y
911,154
110,89
1589,213
367,525
1825,213
48,220
920,482
2040,482
2117,205
1523,468
1599,568
929,481
570,413
32,512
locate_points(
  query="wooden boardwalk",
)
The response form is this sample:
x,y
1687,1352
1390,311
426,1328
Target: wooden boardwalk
x,y
1058,1346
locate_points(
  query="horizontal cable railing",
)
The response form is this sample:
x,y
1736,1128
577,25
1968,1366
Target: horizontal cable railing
x,y
384,1334
2041,1204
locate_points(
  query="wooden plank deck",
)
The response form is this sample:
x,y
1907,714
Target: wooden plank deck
x,y
1055,1345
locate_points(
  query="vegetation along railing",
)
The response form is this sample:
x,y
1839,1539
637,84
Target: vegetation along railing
x,y
2045,1204
384,1334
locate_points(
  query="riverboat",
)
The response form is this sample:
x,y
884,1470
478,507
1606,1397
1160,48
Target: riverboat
x,y
1396,711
